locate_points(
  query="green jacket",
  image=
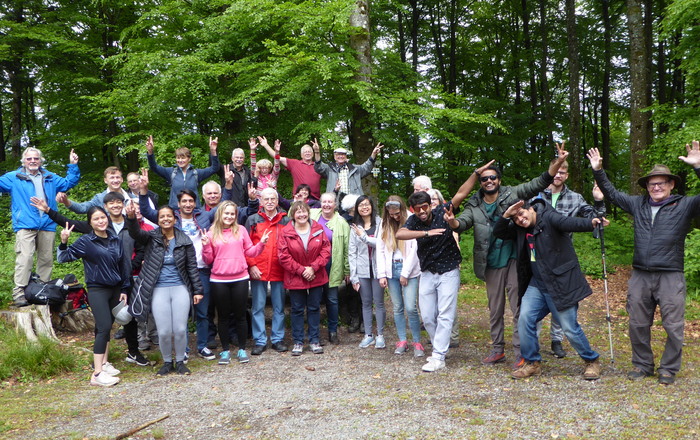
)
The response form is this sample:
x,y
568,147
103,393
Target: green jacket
x,y
474,214
340,266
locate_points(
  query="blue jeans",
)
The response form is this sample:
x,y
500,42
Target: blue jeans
x,y
330,297
201,309
534,306
259,291
404,297
309,301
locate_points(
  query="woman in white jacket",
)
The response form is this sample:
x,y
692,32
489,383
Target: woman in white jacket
x,y
398,268
362,255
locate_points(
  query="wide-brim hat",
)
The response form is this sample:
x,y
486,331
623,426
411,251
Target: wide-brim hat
x,y
340,151
658,170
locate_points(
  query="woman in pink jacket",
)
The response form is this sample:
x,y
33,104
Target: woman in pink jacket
x,y
225,247
304,250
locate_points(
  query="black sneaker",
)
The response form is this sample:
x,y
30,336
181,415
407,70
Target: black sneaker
x,y
212,344
354,326
137,359
258,350
637,374
558,350
119,334
280,347
166,369
666,379
181,368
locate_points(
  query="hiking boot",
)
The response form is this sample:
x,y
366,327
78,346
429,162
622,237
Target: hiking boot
x,y
206,354
138,359
519,362
258,350
119,334
354,326
181,368
666,379
298,349
637,374
242,356
418,350
433,365
21,301
333,338
225,357
401,347
280,347
558,350
109,369
367,341
322,342
592,371
379,342
528,369
166,369
103,380
494,358
316,348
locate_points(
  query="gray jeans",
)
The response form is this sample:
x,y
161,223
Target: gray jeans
x,y
372,293
171,307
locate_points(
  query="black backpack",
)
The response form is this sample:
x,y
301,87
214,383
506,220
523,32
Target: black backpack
x,y
52,293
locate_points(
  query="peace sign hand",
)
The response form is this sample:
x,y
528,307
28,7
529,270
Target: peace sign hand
x,y
130,209
205,238
266,236
149,144
65,233
449,215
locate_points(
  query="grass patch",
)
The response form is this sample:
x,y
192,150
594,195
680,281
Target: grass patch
x,y
28,361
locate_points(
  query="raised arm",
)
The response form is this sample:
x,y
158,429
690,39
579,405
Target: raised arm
x,y
693,157
624,201
205,173
467,187
165,173
78,225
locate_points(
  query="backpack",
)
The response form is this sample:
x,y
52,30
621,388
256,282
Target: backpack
x,y
175,168
51,293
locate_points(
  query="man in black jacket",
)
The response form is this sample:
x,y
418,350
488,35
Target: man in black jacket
x,y
549,279
661,222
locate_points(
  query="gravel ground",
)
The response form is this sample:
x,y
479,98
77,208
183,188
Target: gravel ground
x,y
352,393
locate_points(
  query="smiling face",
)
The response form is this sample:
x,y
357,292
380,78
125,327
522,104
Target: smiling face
x,y
238,158
525,218
423,212
394,213
32,161
489,182
166,218
264,169
269,201
307,153
132,181
115,207
183,161
212,195
560,178
340,158
186,205
301,217
114,181
327,206
99,221
228,218
434,201
302,194
659,187
364,208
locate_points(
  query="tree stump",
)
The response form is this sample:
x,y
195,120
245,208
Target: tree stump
x,y
76,321
34,320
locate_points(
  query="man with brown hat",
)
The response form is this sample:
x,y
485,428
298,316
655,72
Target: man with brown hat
x,y
661,222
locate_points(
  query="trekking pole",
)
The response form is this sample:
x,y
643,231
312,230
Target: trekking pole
x,y
599,230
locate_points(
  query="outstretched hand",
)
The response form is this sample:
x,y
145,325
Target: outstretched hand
x,y
263,141
595,158
484,167
562,154
39,204
315,146
253,144
693,157
513,209
278,145
149,144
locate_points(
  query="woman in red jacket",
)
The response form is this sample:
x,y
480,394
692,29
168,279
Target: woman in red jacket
x,y
304,250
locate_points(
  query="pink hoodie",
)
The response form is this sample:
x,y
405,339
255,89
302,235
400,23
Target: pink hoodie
x,y
228,257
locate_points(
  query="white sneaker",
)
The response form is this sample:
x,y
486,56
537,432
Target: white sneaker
x,y
103,380
433,365
109,369
367,341
379,343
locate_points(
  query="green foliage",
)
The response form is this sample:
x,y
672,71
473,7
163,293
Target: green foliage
x,y
30,361
692,264
619,247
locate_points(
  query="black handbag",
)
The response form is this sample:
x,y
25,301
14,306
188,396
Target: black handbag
x,y
51,293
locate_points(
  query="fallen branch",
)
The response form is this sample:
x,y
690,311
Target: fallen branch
x,y
135,430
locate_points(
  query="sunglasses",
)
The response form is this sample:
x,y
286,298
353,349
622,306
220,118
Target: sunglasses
x,y
487,178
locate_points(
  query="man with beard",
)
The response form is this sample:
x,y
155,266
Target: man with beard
x,y
494,259
569,204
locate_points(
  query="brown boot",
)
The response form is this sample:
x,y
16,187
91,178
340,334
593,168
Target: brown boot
x,y
592,371
528,369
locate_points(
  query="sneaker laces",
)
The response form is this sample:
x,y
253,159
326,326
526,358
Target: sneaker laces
x,y
418,346
403,344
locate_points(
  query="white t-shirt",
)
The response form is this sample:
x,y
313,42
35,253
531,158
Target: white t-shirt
x,y
190,228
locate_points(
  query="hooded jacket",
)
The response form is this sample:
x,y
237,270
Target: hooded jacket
x,y
268,261
340,265
294,258
190,180
21,189
355,175
358,254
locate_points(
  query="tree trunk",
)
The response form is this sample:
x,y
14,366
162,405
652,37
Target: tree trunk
x,y
452,85
649,44
2,135
574,144
360,128
33,321
605,100
415,23
544,81
531,73
402,38
638,80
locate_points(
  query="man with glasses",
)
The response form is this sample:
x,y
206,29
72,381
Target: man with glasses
x,y
494,259
569,204
35,230
661,222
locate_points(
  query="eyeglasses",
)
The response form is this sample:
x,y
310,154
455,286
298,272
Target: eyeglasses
x,y
423,207
562,173
661,185
485,179
364,205
32,159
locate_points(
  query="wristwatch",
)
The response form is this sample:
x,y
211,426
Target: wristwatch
x,y
426,234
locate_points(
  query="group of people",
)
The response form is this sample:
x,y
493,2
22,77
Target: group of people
x,y
200,257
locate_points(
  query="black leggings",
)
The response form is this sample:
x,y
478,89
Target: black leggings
x,y
102,299
231,297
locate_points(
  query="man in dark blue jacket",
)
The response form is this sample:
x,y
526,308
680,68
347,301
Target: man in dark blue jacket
x,y
36,232
549,279
661,222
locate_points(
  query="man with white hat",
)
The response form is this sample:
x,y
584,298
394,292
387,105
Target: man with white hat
x,y
661,222
350,176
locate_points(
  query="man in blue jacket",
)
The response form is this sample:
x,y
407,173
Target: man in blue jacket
x,y
35,231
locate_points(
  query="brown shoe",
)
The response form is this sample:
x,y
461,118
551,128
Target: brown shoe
x,y
592,371
527,370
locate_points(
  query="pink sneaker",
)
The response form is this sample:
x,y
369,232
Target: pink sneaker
x,y
401,347
418,350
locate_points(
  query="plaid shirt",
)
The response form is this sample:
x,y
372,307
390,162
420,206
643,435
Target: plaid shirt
x,y
572,204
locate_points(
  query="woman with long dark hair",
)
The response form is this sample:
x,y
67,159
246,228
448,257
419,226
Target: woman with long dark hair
x,y
107,277
168,284
362,255
398,269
